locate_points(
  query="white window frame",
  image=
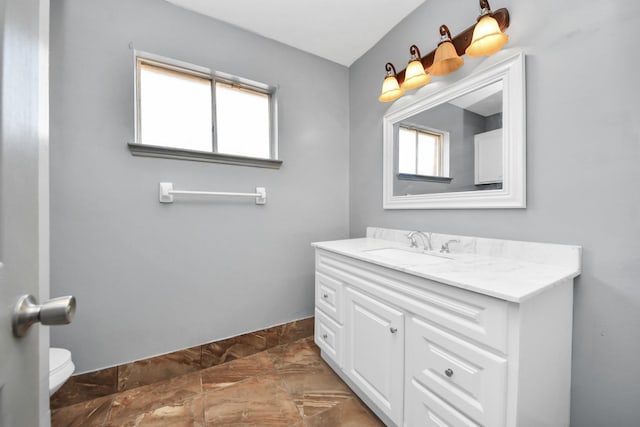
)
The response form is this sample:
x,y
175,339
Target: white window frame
x,y
138,148
444,150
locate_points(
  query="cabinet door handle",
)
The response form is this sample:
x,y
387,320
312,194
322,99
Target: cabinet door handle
x,y
393,330
449,372
325,295
325,336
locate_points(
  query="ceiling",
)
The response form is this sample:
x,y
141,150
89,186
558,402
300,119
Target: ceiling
x,y
338,30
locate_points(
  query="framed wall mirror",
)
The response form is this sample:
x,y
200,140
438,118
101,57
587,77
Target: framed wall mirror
x,y
462,145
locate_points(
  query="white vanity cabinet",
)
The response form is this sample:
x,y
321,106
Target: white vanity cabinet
x,y
424,353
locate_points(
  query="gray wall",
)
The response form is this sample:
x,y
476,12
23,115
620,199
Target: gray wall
x,y
154,278
493,122
583,154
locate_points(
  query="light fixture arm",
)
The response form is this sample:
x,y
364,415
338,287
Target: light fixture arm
x,y
445,34
415,53
391,70
463,39
485,9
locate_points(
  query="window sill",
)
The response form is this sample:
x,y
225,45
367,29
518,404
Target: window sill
x,y
424,178
201,156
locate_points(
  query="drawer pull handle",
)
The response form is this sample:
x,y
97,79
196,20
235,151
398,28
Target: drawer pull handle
x,y
325,336
449,373
393,330
325,296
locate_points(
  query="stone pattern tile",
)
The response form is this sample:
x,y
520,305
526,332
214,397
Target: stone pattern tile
x,y
80,388
160,368
92,413
288,385
147,399
228,374
84,387
261,400
245,345
351,413
312,385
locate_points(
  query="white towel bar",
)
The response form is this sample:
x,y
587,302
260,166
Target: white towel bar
x,y
167,192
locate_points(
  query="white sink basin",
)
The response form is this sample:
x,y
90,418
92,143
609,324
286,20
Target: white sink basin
x,y
407,256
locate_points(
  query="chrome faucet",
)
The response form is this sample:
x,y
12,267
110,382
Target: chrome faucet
x,y
445,245
426,240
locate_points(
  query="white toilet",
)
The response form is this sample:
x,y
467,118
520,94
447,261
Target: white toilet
x,y
60,368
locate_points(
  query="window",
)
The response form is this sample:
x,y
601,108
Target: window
x,y
175,108
187,112
423,152
243,121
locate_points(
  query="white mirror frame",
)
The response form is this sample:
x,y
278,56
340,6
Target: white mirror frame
x,y
510,69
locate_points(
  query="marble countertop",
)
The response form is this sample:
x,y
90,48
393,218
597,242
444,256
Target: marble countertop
x,y
505,278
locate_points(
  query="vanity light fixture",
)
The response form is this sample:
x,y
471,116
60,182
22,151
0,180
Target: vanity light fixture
x,y
484,38
487,36
415,75
390,88
446,59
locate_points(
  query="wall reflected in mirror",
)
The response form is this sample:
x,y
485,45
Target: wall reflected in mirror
x,y
455,146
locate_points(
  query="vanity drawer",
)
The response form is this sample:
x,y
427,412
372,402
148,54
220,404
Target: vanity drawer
x,y
479,317
456,371
329,296
423,408
328,336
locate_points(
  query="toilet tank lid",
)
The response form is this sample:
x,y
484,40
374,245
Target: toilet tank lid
x,y
58,358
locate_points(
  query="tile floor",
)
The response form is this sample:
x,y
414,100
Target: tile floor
x,y
288,385
92,385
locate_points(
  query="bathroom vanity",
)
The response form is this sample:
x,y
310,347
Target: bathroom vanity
x,y
477,336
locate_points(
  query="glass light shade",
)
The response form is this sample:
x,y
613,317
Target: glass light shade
x,y
446,60
415,76
390,89
487,38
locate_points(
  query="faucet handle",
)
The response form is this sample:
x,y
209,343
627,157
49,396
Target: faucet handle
x,y
412,239
445,245
425,237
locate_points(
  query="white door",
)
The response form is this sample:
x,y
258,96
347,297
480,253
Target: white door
x,y
375,351
24,211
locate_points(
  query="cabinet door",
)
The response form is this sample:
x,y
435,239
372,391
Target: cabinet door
x,y
374,347
488,157
450,376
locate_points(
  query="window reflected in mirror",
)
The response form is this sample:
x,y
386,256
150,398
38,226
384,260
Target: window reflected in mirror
x,y
422,152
